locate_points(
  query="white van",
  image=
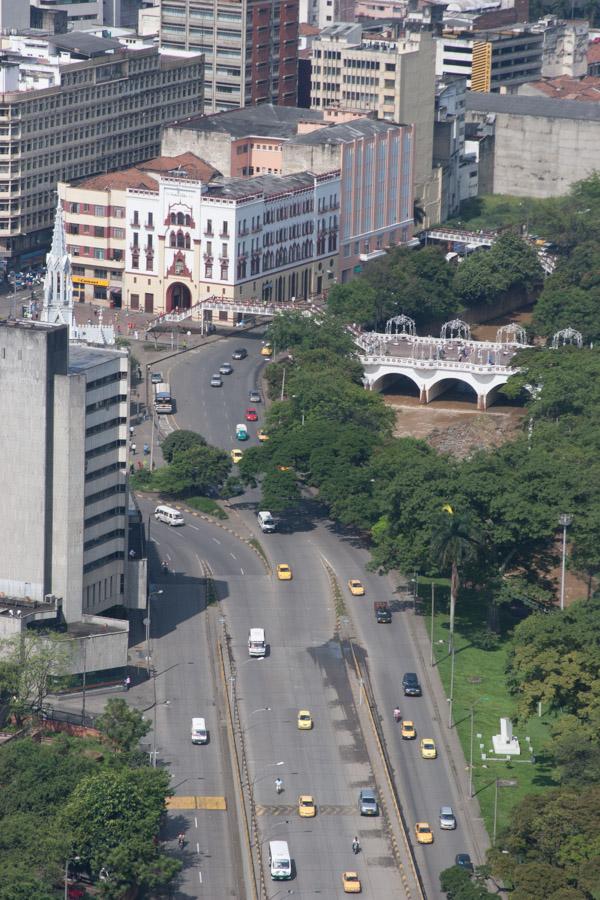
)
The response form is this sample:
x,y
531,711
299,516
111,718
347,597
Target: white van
x,y
280,861
168,515
256,642
266,522
199,732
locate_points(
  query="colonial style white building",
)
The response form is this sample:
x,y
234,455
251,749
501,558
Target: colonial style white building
x,y
268,237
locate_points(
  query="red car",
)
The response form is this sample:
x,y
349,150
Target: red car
x,y
251,415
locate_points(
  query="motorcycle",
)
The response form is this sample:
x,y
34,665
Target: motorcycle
x,y
355,846
165,568
278,785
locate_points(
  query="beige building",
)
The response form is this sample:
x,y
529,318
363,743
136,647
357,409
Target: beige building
x,y
96,224
393,79
72,106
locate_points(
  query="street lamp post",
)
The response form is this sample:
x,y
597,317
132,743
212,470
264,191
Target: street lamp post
x,y
432,618
565,520
451,697
151,594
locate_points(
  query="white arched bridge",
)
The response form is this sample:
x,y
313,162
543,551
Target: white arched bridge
x,y
434,365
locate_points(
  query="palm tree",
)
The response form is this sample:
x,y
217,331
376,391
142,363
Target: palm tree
x,y
454,544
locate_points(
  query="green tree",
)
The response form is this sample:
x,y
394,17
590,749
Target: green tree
x,y
196,470
454,545
123,725
293,331
31,661
354,302
509,265
178,441
113,818
280,491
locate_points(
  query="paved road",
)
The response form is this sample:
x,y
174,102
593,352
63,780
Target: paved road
x,y
185,687
390,650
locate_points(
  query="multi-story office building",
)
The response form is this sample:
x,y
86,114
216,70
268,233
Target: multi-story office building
x,y
494,59
79,12
64,452
98,106
96,226
250,48
393,79
323,13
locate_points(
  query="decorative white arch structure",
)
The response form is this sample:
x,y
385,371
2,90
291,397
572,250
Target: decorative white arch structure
x,y
513,333
456,330
566,337
401,325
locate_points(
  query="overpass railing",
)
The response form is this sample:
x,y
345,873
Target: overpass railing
x,y
445,364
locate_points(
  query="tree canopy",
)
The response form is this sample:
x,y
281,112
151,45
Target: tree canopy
x,y
178,441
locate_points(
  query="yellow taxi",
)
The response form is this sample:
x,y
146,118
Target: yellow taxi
x,y
306,806
305,722
284,468
423,833
428,748
262,435
266,350
284,573
236,455
409,732
351,883
356,587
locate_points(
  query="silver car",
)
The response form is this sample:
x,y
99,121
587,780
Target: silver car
x,y
447,818
216,380
367,803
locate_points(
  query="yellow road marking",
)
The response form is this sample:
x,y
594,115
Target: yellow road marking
x,y
196,803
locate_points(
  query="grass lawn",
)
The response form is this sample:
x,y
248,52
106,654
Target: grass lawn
x,y
479,682
208,506
496,211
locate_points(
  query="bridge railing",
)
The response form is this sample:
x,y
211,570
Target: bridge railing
x,y
481,368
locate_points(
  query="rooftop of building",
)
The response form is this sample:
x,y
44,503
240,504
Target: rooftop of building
x,y
264,120
565,87
501,33
83,357
522,105
306,30
344,132
339,31
186,165
84,44
267,185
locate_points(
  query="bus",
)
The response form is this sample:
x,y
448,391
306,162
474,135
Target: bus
x,y
163,402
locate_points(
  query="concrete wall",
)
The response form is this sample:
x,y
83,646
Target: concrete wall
x,y
317,158
29,358
106,650
211,146
538,156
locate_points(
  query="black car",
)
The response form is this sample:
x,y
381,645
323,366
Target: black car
x,y
411,686
464,861
240,353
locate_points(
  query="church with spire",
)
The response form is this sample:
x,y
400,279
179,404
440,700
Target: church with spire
x,y
57,307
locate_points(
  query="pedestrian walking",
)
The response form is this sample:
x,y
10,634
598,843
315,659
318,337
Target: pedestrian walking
x,y
127,683
133,447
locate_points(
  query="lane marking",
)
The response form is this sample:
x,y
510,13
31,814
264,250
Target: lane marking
x,y
195,527
199,872
233,556
242,571
216,540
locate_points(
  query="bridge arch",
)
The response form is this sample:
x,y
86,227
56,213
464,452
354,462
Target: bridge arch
x,y
407,378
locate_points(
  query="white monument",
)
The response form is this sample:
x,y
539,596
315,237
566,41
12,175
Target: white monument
x,y
57,308
505,744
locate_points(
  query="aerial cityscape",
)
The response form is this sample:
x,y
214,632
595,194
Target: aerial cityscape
x,y
300,310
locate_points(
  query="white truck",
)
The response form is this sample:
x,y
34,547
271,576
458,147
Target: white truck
x,y
266,522
256,642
